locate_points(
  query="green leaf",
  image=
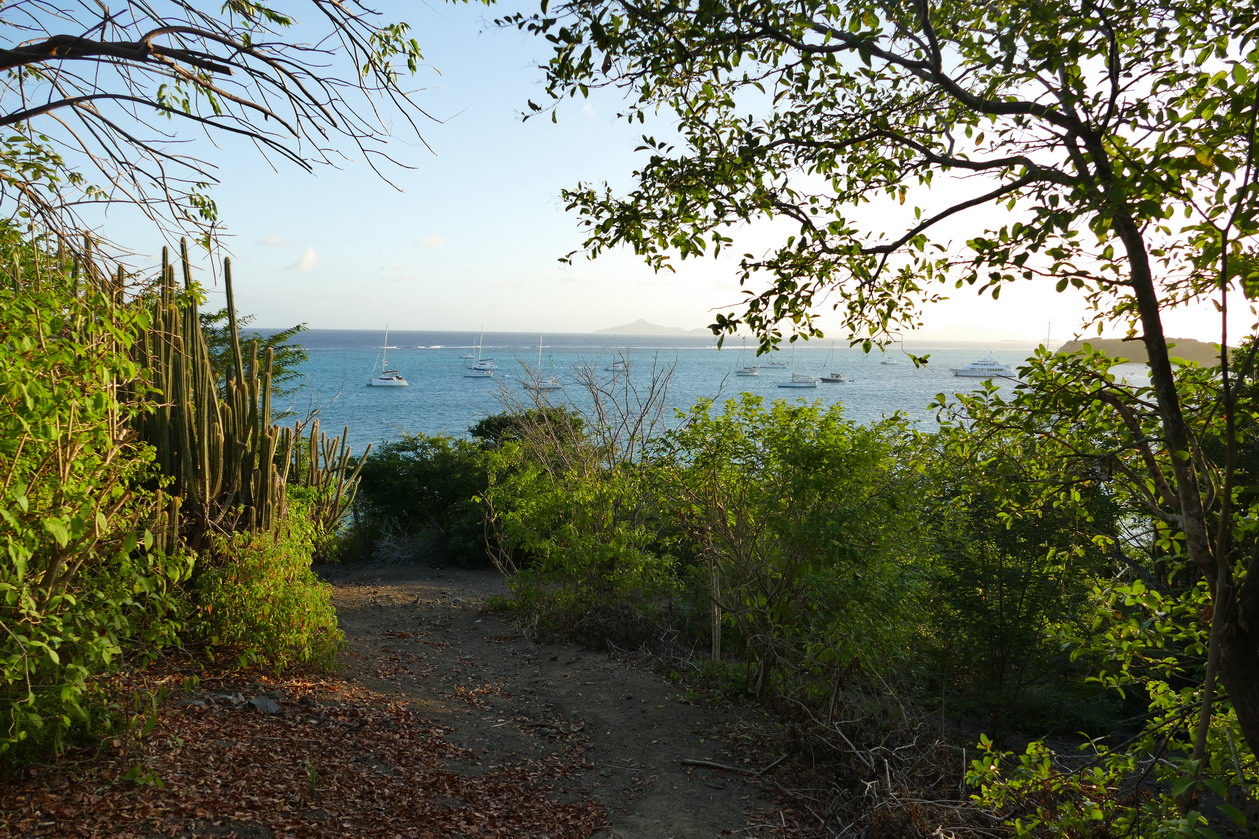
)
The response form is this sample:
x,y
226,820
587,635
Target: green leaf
x,y
1182,784
58,530
1233,814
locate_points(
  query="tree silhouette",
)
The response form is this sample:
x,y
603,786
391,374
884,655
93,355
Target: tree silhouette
x,y
97,98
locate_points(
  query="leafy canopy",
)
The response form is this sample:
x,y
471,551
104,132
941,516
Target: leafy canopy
x,y
286,357
905,145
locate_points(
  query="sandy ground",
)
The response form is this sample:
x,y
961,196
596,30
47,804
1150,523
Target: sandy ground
x,y
421,633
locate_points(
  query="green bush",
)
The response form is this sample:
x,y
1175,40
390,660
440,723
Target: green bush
x,y
422,485
1145,622
562,423
1011,575
84,584
256,598
589,546
796,529
811,532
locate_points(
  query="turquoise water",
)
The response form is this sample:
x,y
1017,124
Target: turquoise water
x,y
441,400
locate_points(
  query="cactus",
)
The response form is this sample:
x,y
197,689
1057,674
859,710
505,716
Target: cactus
x,y
226,460
325,467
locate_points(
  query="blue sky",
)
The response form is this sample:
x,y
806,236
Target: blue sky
x,y
472,235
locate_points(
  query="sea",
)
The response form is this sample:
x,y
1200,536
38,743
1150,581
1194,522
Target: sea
x,y
672,371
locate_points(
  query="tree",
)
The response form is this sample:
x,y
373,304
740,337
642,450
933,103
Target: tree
x,y
1106,145
811,529
286,357
96,98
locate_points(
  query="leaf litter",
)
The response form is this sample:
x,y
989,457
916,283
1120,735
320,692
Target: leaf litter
x,y
441,722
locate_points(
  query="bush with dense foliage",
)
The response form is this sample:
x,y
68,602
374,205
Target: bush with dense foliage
x,y
85,585
1010,576
583,543
422,486
142,502
258,600
1146,625
808,530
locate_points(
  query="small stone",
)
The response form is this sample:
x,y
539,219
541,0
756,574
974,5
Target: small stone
x,y
265,704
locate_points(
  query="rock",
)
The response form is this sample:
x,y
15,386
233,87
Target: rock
x,y
265,704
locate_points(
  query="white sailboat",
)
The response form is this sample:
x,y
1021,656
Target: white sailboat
x,y
386,377
746,369
799,380
832,377
539,382
483,368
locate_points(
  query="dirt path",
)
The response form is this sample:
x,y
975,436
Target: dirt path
x,y
420,634
443,722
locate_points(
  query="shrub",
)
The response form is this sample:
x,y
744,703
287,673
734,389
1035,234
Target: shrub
x,y
256,598
592,569
810,529
420,485
84,584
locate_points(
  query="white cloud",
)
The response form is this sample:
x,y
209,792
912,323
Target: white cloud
x,y
433,242
275,242
306,261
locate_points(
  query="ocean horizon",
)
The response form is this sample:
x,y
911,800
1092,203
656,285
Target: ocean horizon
x,y
440,399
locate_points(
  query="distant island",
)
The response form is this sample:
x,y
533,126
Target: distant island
x,y
642,327
1207,355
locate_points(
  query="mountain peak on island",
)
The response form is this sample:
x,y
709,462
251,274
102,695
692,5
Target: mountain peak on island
x,y
642,327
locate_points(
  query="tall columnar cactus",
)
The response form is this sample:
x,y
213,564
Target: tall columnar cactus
x,y
227,461
225,458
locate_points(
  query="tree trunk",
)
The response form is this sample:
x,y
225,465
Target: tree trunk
x,y
1239,650
1239,657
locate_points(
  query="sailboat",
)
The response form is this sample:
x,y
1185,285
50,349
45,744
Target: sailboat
x,y
387,377
620,364
484,367
798,379
832,377
746,370
891,360
539,382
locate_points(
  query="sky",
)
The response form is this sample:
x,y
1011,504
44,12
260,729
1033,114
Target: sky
x,y
470,236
